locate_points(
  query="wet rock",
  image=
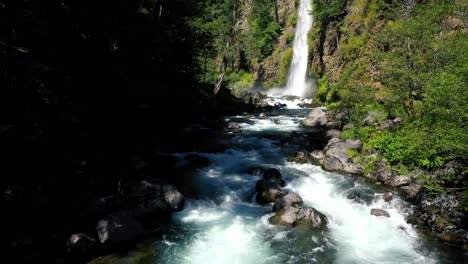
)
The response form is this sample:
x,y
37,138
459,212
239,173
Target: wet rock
x,y
379,212
291,216
269,190
310,217
316,157
301,157
233,126
388,196
316,118
289,200
119,227
337,158
147,198
80,243
272,174
285,216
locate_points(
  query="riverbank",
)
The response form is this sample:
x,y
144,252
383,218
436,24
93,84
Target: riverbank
x,y
440,214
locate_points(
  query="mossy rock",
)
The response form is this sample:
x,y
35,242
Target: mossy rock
x,y
414,220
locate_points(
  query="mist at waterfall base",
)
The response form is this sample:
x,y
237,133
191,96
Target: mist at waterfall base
x,y
221,222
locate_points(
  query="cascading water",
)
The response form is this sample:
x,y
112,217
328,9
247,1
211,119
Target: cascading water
x,y
297,80
221,223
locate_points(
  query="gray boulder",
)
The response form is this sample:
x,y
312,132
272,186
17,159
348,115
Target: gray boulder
x,y
289,200
316,118
390,178
333,133
337,158
269,190
80,243
147,198
291,216
379,212
119,227
388,196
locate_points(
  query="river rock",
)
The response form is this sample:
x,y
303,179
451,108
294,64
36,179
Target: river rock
x,y
390,178
269,190
291,216
337,158
379,212
388,196
118,227
80,243
272,174
316,118
289,200
147,198
316,157
411,191
233,126
333,133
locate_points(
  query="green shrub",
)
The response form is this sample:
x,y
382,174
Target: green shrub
x,y
289,37
292,20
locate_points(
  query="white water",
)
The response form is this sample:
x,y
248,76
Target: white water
x,y
223,225
297,83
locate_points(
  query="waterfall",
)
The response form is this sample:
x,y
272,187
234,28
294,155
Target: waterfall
x,y
297,82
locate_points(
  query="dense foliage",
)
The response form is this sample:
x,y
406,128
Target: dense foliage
x,y
406,61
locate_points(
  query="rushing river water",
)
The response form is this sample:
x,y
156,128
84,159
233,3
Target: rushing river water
x,y
224,225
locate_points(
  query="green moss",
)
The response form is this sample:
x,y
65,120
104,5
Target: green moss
x,y
292,20
284,66
289,37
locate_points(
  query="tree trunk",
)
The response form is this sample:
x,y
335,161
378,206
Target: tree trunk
x,y
228,45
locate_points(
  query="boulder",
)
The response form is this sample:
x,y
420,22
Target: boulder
x,y
310,217
317,156
337,158
147,198
119,227
269,190
291,216
379,212
289,200
80,243
411,191
387,125
388,196
233,126
285,216
372,118
384,175
272,174
316,118
333,133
